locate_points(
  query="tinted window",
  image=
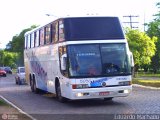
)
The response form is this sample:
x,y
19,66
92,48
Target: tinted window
x,y
98,60
93,28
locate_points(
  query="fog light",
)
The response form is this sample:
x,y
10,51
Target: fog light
x,y
79,94
126,91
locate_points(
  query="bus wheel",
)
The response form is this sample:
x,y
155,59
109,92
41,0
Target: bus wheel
x,y
59,95
32,85
35,89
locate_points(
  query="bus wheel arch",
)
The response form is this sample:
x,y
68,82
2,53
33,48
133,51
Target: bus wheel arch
x,y
58,91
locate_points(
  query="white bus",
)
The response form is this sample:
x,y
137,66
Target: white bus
x,y
79,58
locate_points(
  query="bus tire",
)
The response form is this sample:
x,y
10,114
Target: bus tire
x,y
35,89
58,94
32,85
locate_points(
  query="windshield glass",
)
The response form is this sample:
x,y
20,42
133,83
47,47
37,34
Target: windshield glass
x,y
98,60
22,70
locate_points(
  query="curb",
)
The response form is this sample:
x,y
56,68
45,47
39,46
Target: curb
x,y
149,87
21,111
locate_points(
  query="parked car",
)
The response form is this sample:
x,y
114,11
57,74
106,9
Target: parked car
x,y
8,69
20,76
2,72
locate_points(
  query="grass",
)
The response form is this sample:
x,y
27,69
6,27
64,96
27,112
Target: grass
x,y
152,83
143,74
3,103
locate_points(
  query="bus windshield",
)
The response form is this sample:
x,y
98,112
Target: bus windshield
x,y
98,60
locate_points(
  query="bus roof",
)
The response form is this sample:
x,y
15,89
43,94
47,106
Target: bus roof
x,y
87,27
41,26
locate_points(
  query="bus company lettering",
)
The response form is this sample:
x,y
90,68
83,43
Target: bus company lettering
x,y
94,83
99,82
38,69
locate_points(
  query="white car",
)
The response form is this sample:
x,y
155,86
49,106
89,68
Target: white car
x,y
20,76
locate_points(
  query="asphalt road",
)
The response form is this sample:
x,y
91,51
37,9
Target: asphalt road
x,y
142,103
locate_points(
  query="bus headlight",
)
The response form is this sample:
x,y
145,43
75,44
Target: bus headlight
x,y
126,91
125,83
79,86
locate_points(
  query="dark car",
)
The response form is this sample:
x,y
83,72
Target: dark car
x,y
8,70
3,72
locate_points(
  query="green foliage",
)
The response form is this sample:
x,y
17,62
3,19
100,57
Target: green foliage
x,y
142,46
151,83
8,58
154,30
17,46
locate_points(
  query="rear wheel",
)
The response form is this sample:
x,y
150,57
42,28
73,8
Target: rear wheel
x,y
32,85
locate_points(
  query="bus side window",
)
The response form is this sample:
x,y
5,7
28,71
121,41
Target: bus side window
x,y
35,37
41,36
63,60
37,42
32,40
54,32
47,34
61,31
29,41
26,41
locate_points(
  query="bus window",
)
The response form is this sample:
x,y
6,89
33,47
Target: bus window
x,y
37,39
26,40
42,36
47,34
29,41
63,60
61,31
54,32
32,40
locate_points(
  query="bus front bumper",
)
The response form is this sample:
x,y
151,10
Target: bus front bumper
x,y
109,92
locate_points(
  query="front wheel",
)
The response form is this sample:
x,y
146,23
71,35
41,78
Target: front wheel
x,y
59,94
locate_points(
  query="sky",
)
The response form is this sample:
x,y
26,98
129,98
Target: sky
x,y
17,15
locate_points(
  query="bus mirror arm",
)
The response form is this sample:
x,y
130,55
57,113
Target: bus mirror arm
x,y
132,60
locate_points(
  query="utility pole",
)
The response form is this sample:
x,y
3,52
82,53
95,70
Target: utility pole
x,y
131,22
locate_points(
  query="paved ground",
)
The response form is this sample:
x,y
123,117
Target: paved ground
x,y
41,106
7,112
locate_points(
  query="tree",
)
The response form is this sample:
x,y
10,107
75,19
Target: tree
x,y
8,58
142,46
154,30
17,45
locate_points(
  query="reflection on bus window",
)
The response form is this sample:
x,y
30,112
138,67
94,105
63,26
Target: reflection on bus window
x,y
84,60
97,59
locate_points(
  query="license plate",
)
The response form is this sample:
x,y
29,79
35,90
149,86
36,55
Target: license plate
x,y
103,93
